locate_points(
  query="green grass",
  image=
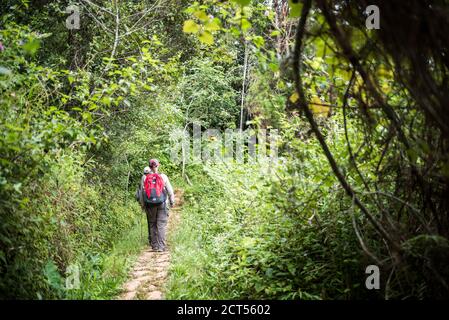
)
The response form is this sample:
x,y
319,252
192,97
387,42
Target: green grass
x,y
103,275
190,245
188,262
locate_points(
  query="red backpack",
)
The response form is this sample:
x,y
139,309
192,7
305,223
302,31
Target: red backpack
x,y
154,189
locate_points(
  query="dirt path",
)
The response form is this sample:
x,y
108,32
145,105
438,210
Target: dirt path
x,y
149,274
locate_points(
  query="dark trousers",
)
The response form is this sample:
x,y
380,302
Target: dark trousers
x,y
157,217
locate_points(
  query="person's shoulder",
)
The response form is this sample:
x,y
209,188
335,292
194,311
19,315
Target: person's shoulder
x,y
163,175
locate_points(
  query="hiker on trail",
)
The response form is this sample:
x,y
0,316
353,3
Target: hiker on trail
x,y
156,191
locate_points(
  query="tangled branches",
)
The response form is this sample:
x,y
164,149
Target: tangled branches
x,y
406,121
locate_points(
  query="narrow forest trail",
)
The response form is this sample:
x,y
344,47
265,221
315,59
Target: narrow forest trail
x,y
149,273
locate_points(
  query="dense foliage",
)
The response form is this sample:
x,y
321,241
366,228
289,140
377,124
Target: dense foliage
x,y
362,171
77,128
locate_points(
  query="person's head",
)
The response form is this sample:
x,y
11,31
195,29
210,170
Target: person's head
x,y
147,170
154,164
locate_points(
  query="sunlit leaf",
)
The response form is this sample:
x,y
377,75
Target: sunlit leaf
x,y
295,8
32,46
294,97
242,2
317,107
245,24
190,26
212,25
87,116
201,15
273,66
206,37
258,41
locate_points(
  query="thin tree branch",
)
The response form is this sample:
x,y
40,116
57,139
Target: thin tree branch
x,y
304,106
355,61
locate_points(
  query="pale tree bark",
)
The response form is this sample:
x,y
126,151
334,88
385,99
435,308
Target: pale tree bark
x,y
245,72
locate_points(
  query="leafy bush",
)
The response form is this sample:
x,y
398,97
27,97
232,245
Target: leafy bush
x,y
65,183
264,231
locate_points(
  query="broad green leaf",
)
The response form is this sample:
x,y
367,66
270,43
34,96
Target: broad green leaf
x,y
242,2
32,46
106,100
201,15
258,41
206,37
52,275
320,46
17,187
248,242
190,26
273,66
295,9
245,24
212,25
294,97
189,10
317,107
87,116
315,64
235,31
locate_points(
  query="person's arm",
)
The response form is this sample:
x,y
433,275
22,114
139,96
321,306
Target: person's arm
x,y
170,192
